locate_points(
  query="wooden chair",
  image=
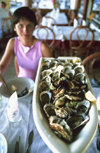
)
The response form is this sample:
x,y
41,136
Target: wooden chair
x,y
38,16
7,30
46,31
80,46
92,59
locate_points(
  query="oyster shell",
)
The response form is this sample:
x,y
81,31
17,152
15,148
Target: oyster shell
x,y
45,65
69,73
61,127
80,77
83,107
60,101
73,98
45,73
79,69
77,121
45,97
61,112
44,86
49,109
53,65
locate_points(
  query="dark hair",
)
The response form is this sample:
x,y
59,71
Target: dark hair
x,y
3,3
23,13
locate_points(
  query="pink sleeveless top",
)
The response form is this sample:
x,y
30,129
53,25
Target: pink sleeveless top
x,y
27,58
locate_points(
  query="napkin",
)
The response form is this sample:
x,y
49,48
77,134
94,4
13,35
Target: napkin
x,y
44,21
75,23
49,23
13,109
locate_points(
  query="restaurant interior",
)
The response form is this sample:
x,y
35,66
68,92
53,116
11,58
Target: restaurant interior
x,y
68,11
71,28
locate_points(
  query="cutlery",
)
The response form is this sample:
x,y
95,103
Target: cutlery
x,y
17,145
4,89
30,139
98,106
6,86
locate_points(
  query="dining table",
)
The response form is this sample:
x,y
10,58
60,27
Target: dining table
x,y
60,17
62,37
27,124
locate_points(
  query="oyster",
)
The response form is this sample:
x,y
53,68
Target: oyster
x,y
45,65
80,77
61,81
79,69
60,93
83,107
53,65
45,97
55,76
77,121
69,73
47,79
68,64
52,87
44,86
61,112
73,98
49,109
60,101
46,73
61,127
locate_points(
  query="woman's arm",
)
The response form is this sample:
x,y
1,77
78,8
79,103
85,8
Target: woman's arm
x,y
7,56
45,50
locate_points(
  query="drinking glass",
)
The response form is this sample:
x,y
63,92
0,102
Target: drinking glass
x,y
15,117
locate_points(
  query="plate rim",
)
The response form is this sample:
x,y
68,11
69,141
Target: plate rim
x,y
22,78
5,141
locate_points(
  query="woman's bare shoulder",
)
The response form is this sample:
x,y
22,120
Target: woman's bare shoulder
x,y
12,40
10,44
45,50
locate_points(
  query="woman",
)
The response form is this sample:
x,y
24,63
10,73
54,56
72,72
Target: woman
x,y
26,47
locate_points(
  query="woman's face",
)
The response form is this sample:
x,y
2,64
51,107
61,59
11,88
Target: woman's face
x,y
24,29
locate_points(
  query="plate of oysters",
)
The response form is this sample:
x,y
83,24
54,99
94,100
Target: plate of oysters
x,y
65,119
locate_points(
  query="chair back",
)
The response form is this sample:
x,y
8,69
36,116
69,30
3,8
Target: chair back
x,y
43,33
92,59
85,37
7,29
38,15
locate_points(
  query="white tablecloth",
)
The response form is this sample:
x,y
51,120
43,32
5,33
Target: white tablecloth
x,y
60,17
63,33
27,125
10,133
